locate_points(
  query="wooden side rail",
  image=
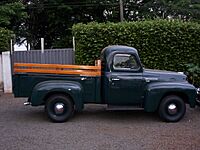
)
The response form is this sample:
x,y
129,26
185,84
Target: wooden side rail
x,y
57,69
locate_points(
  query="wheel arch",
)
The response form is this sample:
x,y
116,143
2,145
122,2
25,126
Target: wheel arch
x,y
44,90
156,92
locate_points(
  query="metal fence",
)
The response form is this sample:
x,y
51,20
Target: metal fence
x,y
53,56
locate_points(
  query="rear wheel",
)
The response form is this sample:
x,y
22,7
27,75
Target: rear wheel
x,y
172,108
59,108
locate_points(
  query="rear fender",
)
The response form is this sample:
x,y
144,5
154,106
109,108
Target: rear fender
x,y
44,89
155,92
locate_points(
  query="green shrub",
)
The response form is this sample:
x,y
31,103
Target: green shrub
x,y
193,73
161,44
5,36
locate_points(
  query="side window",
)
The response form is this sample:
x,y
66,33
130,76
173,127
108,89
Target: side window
x,y
125,62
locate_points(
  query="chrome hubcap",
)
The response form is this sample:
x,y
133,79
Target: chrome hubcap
x,y
59,108
172,109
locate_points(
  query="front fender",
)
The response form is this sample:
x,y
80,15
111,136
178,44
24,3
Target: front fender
x,y
43,89
156,91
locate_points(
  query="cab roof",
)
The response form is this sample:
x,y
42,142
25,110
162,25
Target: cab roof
x,y
119,48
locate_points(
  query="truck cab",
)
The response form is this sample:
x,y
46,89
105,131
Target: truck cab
x,y
122,76
121,82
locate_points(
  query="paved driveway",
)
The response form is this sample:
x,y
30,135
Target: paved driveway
x,y
24,128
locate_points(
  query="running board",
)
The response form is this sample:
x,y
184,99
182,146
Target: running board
x,y
115,107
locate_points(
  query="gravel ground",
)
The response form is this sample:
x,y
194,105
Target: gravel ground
x,y
27,128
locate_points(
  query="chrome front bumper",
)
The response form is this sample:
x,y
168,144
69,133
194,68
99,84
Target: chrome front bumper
x,y
198,96
27,103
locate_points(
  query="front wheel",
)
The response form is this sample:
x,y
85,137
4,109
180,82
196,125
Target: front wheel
x,y
59,108
172,108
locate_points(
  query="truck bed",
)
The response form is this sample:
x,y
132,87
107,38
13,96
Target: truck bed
x,y
27,76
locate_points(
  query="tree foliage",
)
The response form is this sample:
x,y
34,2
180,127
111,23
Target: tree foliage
x,y
13,17
53,19
151,9
193,72
5,36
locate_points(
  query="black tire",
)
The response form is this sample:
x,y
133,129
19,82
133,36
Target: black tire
x,y
172,108
59,108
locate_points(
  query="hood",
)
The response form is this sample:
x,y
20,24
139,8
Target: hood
x,y
162,75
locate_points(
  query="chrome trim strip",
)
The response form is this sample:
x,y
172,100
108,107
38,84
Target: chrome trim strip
x,y
150,79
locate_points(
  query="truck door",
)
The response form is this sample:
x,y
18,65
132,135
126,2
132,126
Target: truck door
x,y
125,81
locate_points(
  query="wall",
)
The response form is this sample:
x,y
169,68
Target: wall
x,y
6,69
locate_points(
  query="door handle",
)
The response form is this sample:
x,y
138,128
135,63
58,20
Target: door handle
x,y
83,78
115,79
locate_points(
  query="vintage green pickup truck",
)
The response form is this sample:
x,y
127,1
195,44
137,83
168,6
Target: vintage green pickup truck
x,y
120,82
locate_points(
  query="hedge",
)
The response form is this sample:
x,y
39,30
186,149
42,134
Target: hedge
x,y
5,36
162,44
